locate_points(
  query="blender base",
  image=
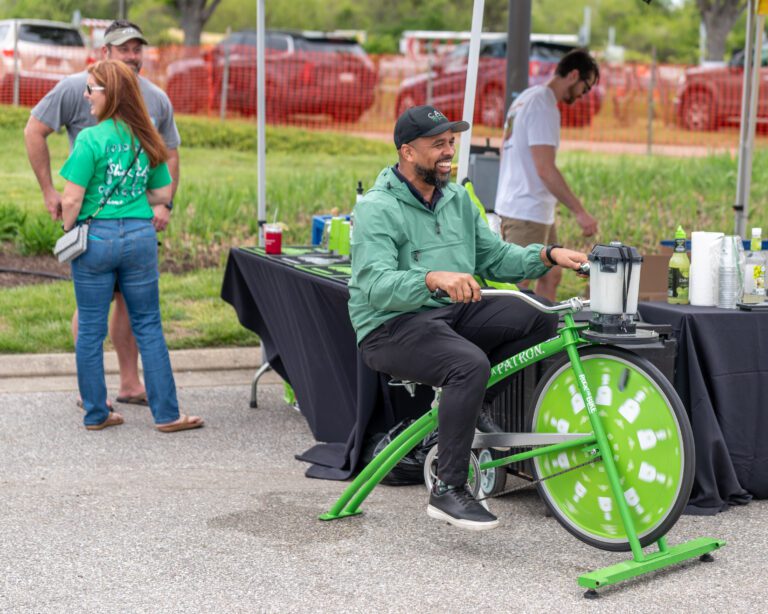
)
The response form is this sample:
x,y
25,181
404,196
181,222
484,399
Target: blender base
x,y
639,337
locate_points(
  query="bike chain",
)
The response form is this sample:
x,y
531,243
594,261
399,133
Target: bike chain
x,y
534,482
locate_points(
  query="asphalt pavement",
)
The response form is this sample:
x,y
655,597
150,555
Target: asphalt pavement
x,y
222,519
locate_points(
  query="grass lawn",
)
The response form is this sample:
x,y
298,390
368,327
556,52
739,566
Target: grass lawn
x,y
37,318
639,200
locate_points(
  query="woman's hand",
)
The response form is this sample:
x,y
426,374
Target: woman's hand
x,y
162,215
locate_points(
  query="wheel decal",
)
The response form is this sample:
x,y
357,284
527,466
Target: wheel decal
x,y
644,435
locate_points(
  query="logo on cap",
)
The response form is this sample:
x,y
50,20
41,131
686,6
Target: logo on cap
x,y
437,117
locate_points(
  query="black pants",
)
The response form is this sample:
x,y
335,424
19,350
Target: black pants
x,y
454,347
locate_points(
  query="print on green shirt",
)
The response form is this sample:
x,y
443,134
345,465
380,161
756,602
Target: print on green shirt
x,y
101,158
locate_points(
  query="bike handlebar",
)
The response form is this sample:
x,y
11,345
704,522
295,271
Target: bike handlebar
x,y
572,305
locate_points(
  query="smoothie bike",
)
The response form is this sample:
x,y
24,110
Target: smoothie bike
x,y
610,442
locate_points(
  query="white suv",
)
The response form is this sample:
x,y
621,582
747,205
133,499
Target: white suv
x,y
43,53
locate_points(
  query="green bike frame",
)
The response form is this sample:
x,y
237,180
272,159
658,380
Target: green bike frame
x,y
569,339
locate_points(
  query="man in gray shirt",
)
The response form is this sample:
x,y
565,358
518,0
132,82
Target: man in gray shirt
x,y
65,105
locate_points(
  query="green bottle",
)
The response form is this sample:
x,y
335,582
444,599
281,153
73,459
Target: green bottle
x,y
679,271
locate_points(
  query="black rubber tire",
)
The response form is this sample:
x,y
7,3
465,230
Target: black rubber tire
x,y
674,404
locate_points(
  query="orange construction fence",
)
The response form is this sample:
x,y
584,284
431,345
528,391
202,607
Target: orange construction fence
x,y
635,104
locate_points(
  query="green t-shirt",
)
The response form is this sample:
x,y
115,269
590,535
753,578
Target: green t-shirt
x,y
99,159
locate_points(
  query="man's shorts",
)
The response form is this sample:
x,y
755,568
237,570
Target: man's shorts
x,y
524,232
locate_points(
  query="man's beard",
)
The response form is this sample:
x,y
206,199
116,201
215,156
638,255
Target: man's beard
x,y
430,176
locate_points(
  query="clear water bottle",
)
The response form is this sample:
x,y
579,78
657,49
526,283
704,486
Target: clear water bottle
x,y
729,274
754,270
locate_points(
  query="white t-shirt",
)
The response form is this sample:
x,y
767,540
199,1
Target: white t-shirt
x,y
533,119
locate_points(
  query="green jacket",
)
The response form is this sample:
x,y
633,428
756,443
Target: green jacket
x,y
396,241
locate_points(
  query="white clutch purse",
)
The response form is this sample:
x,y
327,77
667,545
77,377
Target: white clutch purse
x,y
73,244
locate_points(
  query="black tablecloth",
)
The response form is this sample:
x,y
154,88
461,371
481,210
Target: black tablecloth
x,y
303,322
721,375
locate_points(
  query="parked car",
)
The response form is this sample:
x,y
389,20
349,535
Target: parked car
x,y
47,52
710,96
304,74
449,76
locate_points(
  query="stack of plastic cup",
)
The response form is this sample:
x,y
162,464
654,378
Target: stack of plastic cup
x,y
729,273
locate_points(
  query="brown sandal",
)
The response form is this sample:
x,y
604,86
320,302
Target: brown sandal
x,y
112,420
184,423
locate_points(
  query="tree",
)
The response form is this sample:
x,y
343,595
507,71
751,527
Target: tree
x,y
719,17
193,15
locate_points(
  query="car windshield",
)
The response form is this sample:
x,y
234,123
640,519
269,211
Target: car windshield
x,y
737,59
543,52
48,35
327,45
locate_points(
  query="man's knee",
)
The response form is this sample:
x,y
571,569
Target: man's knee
x,y
471,366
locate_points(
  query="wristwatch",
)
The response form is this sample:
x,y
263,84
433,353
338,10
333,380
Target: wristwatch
x,y
548,253
169,205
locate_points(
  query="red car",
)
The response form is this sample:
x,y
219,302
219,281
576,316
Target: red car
x,y
449,79
709,97
304,74
42,53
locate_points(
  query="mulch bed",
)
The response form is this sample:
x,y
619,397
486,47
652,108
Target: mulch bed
x,y
29,264
10,260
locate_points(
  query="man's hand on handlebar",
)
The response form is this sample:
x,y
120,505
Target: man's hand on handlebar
x,y
568,259
460,287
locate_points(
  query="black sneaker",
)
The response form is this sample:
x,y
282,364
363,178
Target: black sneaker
x,y
486,424
458,507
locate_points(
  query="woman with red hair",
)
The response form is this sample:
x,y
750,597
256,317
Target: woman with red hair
x,y
115,174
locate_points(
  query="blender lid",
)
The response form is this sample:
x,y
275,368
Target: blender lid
x,y
614,252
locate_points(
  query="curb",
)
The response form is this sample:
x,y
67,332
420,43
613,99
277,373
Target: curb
x,y
45,365
20,373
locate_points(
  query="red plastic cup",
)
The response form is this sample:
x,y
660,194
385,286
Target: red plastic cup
x,y
273,239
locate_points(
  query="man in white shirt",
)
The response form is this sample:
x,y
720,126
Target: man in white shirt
x,y
530,184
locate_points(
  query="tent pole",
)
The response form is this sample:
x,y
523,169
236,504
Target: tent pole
x,y
261,144
744,171
470,88
518,50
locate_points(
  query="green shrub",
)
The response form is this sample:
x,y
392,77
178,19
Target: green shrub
x,y
37,235
11,220
13,117
240,135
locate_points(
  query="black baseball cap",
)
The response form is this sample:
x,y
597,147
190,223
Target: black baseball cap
x,y
424,120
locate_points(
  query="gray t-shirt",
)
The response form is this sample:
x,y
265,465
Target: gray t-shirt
x,y
65,105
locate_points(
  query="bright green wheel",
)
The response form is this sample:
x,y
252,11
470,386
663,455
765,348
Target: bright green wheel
x,y
650,435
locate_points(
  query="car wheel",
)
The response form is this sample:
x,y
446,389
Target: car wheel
x,y
698,111
492,107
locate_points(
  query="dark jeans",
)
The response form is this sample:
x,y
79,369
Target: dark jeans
x,y
454,347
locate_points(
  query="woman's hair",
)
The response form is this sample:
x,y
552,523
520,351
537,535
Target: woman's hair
x,y
124,101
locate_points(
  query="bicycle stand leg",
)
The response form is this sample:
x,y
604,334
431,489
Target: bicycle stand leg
x,y
666,556
262,370
350,500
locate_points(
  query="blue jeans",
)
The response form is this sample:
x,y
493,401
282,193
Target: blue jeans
x,y
123,250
